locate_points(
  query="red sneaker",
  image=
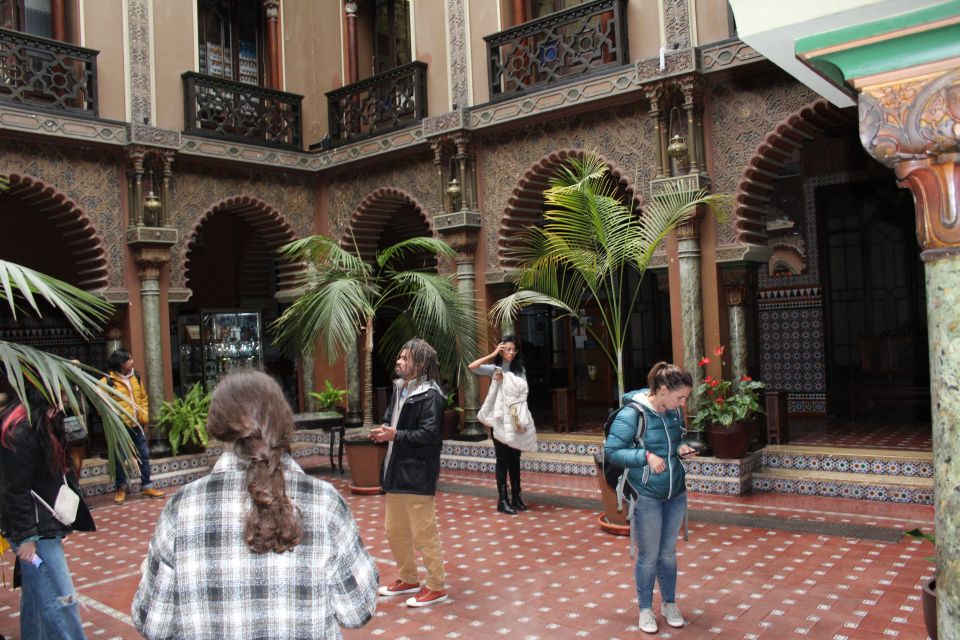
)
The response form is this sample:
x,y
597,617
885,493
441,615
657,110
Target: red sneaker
x,y
399,587
426,597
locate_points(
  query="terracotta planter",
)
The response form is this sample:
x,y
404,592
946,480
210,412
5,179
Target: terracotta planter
x,y
929,600
731,442
366,463
611,521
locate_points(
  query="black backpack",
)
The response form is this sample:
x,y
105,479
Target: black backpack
x,y
615,475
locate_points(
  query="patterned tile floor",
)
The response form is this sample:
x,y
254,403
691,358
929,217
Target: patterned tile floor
x,y
875,434
550,573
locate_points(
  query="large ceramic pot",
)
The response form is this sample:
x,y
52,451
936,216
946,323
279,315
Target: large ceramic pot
x,y
611,520
451,423
731,442
365,458
929,600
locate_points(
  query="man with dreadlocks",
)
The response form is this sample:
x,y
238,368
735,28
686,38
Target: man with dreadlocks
x,y
412,427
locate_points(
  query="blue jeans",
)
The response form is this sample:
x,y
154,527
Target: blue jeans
x,y
49,609
140,442
656,524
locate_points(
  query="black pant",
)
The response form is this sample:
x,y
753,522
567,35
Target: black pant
x,y
508,459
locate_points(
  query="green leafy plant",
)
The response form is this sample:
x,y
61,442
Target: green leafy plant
x,y
330,398
724,402
185,419
917,533
590,242
343,293
451,403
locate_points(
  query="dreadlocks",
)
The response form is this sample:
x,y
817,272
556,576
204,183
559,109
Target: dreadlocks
x,y
424,359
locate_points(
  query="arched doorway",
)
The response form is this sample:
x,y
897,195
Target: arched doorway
x,y
385,217
561,353
45,230
841,301
235,275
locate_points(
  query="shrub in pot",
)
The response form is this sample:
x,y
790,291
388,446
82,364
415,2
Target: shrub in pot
x,y
726,409
330,399
185,420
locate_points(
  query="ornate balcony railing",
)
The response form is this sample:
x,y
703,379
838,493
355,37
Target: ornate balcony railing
x,y
381,103
47,74
218,108
577,41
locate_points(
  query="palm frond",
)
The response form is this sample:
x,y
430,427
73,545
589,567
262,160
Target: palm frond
x,y
324,254
54,379
82,310
333,311
506,309
415,245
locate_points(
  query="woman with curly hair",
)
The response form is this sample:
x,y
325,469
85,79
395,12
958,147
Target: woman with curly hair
x,y
257,549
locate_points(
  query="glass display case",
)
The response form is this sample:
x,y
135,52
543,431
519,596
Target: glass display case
x,y
215,342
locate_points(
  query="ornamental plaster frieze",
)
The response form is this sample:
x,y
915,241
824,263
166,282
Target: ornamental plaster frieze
x,y
61,126
727,55
211,148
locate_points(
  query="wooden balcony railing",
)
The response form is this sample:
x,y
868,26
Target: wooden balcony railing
x,y
381,103
581,40
47,74
218,108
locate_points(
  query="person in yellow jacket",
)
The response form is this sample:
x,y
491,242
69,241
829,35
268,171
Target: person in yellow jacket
x,y
125,379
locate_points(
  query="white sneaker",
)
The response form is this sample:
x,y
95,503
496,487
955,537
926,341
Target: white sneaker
x,y
647,622
672,614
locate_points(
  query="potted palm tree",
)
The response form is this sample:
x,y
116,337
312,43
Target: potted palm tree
x,y
590,241
342,295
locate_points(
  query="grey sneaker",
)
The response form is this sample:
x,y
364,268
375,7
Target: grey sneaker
x,y
647,622
671,614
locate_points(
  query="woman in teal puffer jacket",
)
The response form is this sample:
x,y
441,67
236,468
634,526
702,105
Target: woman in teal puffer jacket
x,y
656,474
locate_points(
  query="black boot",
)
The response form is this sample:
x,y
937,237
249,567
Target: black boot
x,y
517,503
503,505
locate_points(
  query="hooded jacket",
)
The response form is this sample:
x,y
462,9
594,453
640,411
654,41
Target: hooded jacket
x,y
412,464
134,396
663,436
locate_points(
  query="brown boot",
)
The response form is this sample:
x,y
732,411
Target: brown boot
x,y
153,493
121,496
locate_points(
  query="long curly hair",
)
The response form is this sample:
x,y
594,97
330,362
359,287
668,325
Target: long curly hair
x,y
424,358
249,410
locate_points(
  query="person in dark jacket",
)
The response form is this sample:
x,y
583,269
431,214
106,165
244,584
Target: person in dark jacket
x,y
656,474
410,471
33,458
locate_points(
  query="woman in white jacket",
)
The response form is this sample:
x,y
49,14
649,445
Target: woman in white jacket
x,y
506,414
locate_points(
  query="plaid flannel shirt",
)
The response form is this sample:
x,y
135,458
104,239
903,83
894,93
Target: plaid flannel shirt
x,y
202,581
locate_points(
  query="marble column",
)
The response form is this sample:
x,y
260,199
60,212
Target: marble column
x,y
913,125
309,382
149,263
738,282
691,302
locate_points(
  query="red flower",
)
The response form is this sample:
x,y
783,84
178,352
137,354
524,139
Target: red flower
x,y
703,361
746,379
718,351
719,400
714,382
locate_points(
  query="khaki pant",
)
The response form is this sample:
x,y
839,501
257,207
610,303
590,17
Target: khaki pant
x,y
411,522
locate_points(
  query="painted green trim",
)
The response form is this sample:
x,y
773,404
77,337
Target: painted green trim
x,y
870,29
912,50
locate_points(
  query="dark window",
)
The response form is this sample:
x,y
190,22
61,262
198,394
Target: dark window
x,y
391,34
540,8
231,40
28,16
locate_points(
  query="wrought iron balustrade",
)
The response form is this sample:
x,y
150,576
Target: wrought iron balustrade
x,y
47,74
381,103
577,41
218,108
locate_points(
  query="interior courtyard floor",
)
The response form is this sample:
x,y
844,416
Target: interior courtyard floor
x,y
775,568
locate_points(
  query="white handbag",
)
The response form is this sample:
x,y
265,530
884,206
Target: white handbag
x,y
65,507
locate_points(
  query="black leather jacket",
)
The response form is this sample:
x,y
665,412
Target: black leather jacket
x,y
413,465
23,466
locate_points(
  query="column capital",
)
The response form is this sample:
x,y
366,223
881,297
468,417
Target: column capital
x,y
913,126
738,283
350,7
150,261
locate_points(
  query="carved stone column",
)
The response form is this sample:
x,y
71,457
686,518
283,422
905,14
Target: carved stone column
x,y
914,126
353,68
150,260
309,383
738,282
691,285
271,9
354,407
461,229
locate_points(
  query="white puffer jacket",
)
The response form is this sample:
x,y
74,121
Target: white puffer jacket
x,y
505,411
